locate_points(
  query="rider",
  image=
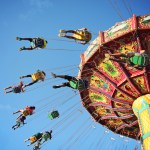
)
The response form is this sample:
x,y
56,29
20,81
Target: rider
x,y
28,110
82,36
134,59
34,138
73,82
39,75
37,42
19,121
15,89
47,135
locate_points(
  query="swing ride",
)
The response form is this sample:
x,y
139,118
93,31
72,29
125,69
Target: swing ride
x,y
117,96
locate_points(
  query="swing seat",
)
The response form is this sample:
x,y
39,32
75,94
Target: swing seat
x,y
54,114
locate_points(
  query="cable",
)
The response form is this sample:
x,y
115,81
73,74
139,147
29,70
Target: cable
x,y
129,7
47,105
81,133
76,131
62,114
61,49
62,67
115,8
125,4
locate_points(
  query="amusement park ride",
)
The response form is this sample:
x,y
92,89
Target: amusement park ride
x,y
118,96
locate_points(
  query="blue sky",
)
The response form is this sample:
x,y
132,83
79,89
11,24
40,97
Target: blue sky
x,y
31,18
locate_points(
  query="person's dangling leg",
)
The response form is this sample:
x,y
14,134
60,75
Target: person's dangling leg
x,y
63,33
67,31
17,112
27,76
13,126
26,39
70,31
61,85
8,88
62,76
70,37
27,140
118,60
30,83
67,36
8,91
118,55
25,48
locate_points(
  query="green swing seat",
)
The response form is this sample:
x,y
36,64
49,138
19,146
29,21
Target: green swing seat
x,y
54,114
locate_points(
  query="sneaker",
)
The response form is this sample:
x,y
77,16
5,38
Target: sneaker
x,y
53,75
18,38
61,34
22,48
62,31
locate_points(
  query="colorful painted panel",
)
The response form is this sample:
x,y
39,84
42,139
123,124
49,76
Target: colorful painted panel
x,y
121,105
140,83
113,123
100,83
112,70
122,96
96,97
129,89
101,111
127,47
144,21
117,30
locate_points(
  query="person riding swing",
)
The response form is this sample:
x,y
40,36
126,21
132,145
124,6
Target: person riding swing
x,y
81,36
73,82
35,43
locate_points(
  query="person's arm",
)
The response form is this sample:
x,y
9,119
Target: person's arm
x,y
16,112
